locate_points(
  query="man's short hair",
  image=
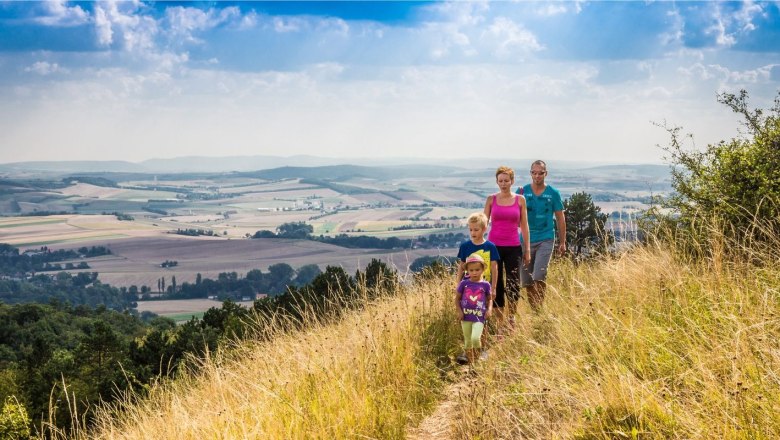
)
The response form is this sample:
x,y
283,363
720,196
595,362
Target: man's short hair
x,y
479,218
539,162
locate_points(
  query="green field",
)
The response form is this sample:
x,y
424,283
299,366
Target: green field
x,y
43,221
69,240
184,317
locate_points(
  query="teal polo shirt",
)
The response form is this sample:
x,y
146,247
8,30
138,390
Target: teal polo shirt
x,y
541,209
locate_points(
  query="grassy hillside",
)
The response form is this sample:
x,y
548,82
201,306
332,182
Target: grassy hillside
x,y
648,344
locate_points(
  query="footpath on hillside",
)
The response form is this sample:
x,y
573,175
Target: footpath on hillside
x,y
439,424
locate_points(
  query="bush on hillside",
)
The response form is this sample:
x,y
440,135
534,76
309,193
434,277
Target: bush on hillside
x,y
736,183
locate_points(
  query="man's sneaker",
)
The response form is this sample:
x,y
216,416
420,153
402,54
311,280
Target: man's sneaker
x,y
462,359
483,356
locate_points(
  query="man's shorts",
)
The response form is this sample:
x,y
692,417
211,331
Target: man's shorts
x,y
540,258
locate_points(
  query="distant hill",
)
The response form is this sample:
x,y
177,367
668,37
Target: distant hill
x,y
646,170
203,164
74,166
342,172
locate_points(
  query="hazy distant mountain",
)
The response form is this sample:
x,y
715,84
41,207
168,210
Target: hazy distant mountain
x,y
338,172
203,164
73,166
647,170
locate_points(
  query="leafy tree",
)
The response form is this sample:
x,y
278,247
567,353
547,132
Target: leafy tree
x,y
585,224
421,263
295,230
280,276
736,181
377,276
100,354
332,282
14,421
264,233
306,274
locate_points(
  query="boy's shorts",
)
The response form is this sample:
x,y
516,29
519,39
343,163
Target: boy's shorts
x,y
540,258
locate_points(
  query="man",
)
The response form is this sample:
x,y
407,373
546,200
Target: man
x,y
545,215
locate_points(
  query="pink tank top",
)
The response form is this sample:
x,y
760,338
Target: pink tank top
x,y
503,223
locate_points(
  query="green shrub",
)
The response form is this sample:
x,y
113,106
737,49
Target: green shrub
x,y
14,421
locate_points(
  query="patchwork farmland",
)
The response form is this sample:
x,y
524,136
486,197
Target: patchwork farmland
x,y
137,216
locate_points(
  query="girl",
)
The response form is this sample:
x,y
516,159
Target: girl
x,y
474,305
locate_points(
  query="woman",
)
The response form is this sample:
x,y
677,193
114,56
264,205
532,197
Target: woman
x,y
506,212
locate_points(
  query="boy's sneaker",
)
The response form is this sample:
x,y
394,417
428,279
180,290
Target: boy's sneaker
x,y
462,359
483,356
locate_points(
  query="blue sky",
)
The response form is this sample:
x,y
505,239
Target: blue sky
x,y
555,80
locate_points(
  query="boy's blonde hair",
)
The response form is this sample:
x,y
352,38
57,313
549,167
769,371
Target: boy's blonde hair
x,y
506,170
479,218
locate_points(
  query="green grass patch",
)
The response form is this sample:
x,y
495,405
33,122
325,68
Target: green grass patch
x,y
40,222
181,318
69,240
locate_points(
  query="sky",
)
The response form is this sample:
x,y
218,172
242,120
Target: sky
x,y
579,81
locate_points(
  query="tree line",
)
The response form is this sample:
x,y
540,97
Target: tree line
x,y
304,231
95,353
16,264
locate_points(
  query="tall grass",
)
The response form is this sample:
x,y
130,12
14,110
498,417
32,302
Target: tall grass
x,y
649,344
657,342
370,374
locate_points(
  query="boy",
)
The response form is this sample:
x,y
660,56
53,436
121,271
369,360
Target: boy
x,y
477,244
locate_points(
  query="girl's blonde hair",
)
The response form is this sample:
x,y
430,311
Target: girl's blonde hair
x,y
506,170
479,218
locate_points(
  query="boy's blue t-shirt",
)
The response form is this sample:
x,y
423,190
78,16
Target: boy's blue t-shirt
x,y
541,211
486,250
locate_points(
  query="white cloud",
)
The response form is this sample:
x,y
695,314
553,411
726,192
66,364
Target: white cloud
x,y
248,21
125,21
696,71
723,77
444,37
676,30
722,36
510,37
289,24
44,68
728,26
332,25
744,17
105,34
184,22
450,25
460,13
552,9
58,13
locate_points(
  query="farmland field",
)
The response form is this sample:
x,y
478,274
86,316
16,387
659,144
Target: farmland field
x,y
136,260
236,206
182,309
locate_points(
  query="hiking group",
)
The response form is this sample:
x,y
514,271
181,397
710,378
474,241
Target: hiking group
x,y
521,229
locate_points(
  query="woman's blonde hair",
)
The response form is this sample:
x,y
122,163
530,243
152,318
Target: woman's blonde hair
x,y
506,170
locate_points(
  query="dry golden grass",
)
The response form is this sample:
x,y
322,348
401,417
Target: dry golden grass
x,y
649,344
369,375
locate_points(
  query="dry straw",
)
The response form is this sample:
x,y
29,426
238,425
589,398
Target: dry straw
x,y
661,341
